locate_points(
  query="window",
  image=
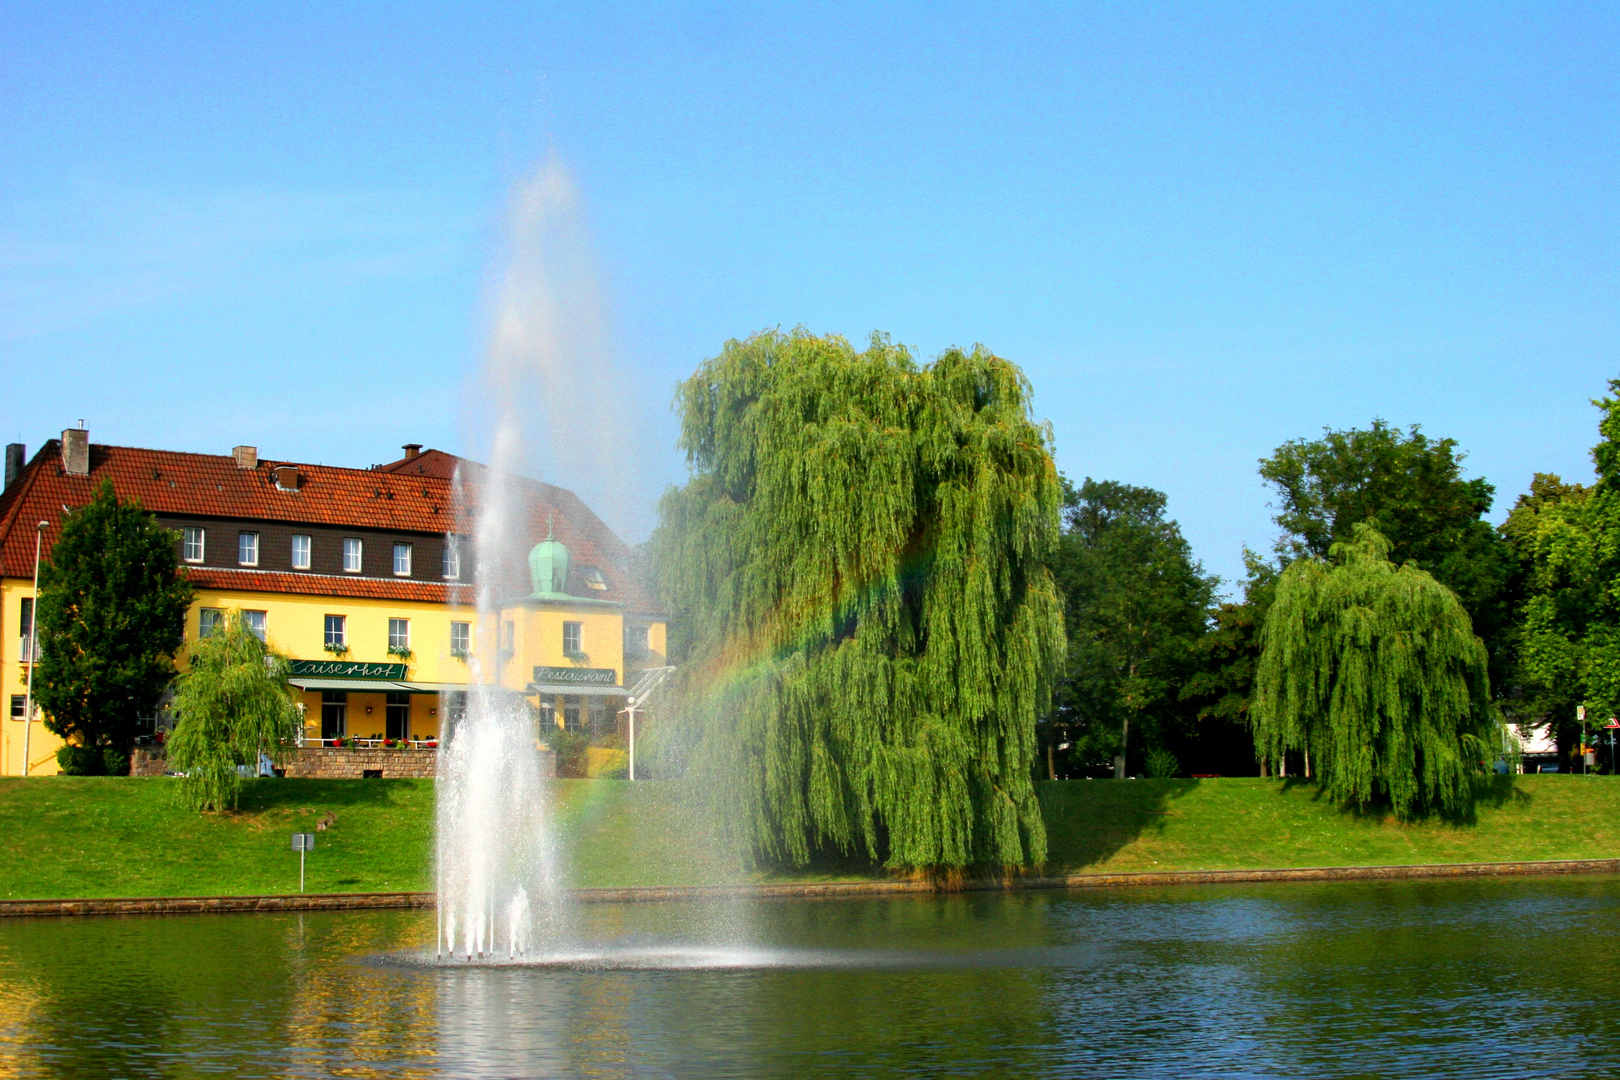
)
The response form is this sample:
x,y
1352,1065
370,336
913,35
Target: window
x,y
635,643
301,549
334,713
397,716
508,638
334,632
192,550
571,712
452,558
571,637
19,706
399,635
210,621
460,639
600,725
402,560
247,548
254,621
25,618
594,579
351,555
454,703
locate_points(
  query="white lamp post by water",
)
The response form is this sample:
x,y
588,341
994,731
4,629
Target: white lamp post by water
x,y
33,649
645,685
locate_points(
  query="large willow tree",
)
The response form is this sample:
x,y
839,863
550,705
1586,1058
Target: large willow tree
x,y
1374,671
857,571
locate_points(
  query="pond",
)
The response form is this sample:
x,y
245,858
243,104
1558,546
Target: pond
x,y
1477,979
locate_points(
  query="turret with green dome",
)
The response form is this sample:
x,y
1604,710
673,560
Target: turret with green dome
x,y
548,568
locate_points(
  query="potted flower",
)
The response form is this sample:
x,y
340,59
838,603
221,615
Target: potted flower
x,y
336,649
338,742
433,744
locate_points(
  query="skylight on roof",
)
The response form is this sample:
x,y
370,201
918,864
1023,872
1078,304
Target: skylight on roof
x,y
594,579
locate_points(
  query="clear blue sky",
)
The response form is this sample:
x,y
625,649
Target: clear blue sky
x,y
1201,229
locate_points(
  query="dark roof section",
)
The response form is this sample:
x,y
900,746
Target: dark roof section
x,y
412,495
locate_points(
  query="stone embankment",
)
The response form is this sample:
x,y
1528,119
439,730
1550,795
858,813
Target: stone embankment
x,y
338,763
179,905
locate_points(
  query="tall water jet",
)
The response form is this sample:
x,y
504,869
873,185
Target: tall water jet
x,y
548,387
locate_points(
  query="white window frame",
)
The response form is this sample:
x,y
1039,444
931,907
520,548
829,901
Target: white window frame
x,y
399,634
194,536
209,621
308,552
260,631
341,638
576,630
402,558
353,545
460,637
450,564
242,542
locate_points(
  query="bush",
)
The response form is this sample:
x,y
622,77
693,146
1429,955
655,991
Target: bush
x,y
81,761
570,750
115,761
1162,765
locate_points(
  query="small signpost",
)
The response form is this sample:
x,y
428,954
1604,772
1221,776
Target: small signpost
x,y
302,842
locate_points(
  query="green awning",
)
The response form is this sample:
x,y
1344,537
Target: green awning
x,y
579,689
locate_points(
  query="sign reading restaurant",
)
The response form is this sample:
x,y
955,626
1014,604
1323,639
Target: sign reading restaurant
x,y
344,669
580,676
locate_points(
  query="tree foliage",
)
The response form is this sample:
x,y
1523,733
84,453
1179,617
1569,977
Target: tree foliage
x,y
1567,640
112,610
1411,489
1374,671
1135,604
857,572
231,706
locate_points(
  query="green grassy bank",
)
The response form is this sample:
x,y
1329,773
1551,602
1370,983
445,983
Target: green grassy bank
x,y
100,837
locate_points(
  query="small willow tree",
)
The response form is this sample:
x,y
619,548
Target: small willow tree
x,y
1374,671
231,706
857,571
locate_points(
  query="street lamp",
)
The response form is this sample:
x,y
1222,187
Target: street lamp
x,y
33,648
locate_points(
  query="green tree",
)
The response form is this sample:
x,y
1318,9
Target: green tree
x,y
1373,670
1411,489
112,610
857,571
1221,684
231,706
1566,641
1135,604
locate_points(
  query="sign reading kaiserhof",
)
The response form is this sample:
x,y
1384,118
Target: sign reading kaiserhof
x,y
344,669
579,676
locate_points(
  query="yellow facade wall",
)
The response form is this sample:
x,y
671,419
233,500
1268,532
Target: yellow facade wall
x,y
296,625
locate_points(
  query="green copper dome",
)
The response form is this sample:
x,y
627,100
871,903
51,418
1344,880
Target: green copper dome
x,y
548,567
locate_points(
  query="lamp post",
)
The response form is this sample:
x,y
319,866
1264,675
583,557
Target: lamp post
x,y
33,649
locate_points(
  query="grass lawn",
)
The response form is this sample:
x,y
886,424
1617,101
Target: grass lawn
x,y
90,837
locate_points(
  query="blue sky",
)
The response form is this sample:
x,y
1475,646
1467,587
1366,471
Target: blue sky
x,y
1200,229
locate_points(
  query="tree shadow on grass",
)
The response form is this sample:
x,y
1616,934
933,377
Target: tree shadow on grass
x,y
267,795
1495,791
1090,821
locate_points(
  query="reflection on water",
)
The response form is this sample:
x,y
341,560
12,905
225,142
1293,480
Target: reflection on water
x,y
1477,979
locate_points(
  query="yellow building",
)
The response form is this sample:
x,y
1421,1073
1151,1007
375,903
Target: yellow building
x,y
359,575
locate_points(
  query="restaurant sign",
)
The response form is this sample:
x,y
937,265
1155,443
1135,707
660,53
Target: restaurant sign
x,y
580,676
344,669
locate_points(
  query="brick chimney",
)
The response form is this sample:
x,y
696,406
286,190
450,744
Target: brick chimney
x,y
412,449
16,458
76,452
246,457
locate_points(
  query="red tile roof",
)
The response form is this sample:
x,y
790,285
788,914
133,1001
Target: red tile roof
x,y
413,495
270,581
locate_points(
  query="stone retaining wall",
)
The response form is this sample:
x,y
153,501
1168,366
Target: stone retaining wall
x,y
336,763
344,763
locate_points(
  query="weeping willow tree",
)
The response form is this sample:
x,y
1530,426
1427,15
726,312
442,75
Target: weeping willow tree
x,y
857,572
231,706
1374,671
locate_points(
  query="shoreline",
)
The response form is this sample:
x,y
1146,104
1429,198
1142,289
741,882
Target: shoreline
x,y
202,905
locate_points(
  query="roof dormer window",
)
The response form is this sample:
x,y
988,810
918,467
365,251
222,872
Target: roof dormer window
x,y
594,579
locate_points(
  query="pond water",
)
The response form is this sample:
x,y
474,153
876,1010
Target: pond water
x,y
1476,979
